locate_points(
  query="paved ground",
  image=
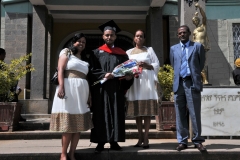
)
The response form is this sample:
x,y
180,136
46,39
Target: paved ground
x,y
23,148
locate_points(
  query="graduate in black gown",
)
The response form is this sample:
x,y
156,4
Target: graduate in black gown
x,y
108,100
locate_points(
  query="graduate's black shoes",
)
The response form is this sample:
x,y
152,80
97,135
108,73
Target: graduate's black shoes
x,y
137,145
99,148
115,146
98,151
146,147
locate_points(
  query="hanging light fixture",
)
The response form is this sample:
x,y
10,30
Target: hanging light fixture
x,y
191,1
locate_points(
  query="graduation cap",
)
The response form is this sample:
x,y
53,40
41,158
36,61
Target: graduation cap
x,y
110,25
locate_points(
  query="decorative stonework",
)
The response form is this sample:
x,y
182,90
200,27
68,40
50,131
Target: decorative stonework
x,y
220,112
236,40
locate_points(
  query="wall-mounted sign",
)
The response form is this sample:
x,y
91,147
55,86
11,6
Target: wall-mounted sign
x,y
220,113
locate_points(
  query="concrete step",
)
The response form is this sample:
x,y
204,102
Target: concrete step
x,y
43,124
35,116
162,149
37,127
34,124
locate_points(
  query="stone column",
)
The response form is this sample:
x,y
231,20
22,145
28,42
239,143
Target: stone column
x,y
39,45
154,31
48,86
38,101
16,38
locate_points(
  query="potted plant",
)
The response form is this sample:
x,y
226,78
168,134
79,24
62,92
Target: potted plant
x,y
10,74
166,119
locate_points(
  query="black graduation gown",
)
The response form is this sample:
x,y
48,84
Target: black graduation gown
x,y
108,100
236,75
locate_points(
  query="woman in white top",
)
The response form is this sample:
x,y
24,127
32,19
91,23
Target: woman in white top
x,y
70,110
142,97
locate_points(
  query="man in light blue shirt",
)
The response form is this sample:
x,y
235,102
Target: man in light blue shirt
x,y
187,59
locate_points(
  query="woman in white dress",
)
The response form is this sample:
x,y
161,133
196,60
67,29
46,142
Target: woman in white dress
x,y
70,110
142,97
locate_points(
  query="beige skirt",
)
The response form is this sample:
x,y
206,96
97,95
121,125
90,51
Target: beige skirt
x,y
70,123
142,108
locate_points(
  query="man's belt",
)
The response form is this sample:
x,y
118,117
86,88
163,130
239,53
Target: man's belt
x,y
186,78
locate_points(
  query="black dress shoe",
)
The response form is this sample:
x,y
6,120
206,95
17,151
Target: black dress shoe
x,y
200,147
181,147
99,148
137,145
115,146
146,147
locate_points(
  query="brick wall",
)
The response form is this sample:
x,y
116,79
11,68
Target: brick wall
x,y
15,41
2,32
173,26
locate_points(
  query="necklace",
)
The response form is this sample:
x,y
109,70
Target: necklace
x,y
138,50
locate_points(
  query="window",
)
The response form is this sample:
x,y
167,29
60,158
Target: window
x,y
236,40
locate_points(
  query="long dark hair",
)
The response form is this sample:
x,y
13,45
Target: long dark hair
x,y
2,51
144,36
76,37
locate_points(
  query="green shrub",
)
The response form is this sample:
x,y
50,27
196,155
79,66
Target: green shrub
x,y
11,73
165,77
